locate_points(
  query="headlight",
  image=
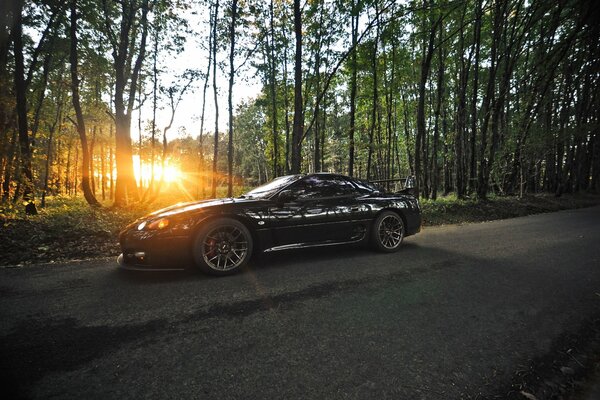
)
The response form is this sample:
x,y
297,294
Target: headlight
x,y
161,223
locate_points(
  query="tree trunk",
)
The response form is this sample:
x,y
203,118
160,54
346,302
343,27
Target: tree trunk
x,y
21,105
409,153
111,163
126,80
353,89
102,170
216,96
374,109
272,84
286,101
150,188
461,115
488,103
421,130
92,167
8,169
80,125
473,161
298,127
57,121
202,182
438,107
68,169
230,98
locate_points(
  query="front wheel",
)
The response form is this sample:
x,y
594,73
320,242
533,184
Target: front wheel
x,y
387,232
222,247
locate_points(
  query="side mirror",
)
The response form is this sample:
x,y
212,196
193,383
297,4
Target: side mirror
x,y
285,196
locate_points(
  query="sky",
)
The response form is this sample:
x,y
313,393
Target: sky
x,y
187,117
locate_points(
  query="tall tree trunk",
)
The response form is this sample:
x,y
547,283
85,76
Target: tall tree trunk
x,y
230,98
85,164
102,169
286,102
298,127
111,163
409,153
390,115
353,88
68,168
438,107
421,130
92,168
140,164
20,88
488,102
57,121
75,175
461,113
216,96
473,154
8,169
375,104
126,80
150,188
272,84
317,111
202,182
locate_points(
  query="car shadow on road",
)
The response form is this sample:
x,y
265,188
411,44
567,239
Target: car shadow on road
x,y
156,277
286,261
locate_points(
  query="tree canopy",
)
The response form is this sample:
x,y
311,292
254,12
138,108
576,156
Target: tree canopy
x,y
469,96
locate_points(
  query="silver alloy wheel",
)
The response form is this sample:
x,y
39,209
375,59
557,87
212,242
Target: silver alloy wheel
x,y
390,231
225,247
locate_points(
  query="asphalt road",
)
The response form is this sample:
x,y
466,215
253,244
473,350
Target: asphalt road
x,y
458,312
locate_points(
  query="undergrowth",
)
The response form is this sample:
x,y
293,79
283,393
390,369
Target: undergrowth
x,y
450,210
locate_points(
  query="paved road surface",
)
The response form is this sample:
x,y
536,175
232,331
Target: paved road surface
x,y
455,314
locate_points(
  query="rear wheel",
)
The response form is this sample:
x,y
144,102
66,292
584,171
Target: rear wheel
x,y
387,232
222,247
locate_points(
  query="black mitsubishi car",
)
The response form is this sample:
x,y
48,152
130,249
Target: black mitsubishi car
x,y
293,211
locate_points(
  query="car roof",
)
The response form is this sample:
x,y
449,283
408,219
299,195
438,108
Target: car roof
x,y
329,174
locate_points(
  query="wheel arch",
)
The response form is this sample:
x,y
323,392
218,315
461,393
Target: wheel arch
x,y
395,210
241,219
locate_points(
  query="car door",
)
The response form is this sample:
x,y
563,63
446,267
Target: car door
x,y
319,210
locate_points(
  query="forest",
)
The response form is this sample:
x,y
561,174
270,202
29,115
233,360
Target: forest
x,y
471,97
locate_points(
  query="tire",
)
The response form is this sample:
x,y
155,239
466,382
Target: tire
x,y
222,247
387,232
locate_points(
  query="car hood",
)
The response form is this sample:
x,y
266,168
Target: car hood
x,y
180,208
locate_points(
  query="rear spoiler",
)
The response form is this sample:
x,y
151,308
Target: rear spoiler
x,y
398,185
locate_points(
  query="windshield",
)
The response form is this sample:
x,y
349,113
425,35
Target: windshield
x,y
269,189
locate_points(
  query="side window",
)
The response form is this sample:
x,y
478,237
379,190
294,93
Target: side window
x,y
314,187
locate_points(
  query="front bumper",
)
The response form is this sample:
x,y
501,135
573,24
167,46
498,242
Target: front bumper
x,y
154,252
138,267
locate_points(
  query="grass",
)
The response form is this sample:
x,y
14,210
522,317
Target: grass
x,y
66,229
69,229
450,210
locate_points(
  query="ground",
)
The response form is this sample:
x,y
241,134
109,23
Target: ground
x,y
502,309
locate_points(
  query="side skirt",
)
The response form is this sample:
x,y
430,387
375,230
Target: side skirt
x,y
308,245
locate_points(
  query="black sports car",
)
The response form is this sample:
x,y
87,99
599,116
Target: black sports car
x,y
219,236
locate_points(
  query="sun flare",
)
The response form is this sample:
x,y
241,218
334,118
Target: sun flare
x,y
172,173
